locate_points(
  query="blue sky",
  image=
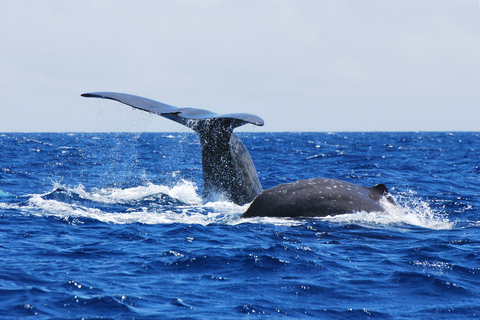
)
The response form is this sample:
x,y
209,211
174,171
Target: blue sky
x,y
308,65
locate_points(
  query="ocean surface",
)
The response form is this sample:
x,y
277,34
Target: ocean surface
x,y
113,226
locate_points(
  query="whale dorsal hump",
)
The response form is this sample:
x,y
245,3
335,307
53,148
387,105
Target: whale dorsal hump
x,y
380,190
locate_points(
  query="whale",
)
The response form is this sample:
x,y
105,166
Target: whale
x,y
317,197
229,172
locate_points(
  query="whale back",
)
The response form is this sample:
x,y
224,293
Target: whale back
x,y
317,197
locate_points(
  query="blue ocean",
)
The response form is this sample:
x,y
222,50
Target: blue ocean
x,y
113,226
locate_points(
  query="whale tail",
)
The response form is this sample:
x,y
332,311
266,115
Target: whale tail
x,y
228,169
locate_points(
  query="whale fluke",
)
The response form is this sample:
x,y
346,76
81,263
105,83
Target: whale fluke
x,y
185,116
228,169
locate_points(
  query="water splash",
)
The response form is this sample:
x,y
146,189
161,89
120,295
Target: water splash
x,y
184,191
150,204
408,210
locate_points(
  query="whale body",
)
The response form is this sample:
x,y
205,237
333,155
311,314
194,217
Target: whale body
x,y
228,169
317,197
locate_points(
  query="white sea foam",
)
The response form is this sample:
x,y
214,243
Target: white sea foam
x,y
185,191
408,210
192,212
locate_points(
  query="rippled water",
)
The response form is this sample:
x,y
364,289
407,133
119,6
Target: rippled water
x,y
113,226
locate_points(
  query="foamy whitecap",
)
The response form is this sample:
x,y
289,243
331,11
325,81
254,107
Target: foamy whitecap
x,y
192,212
408,210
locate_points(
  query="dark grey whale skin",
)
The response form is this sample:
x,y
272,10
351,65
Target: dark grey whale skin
x,y
228,169
316,197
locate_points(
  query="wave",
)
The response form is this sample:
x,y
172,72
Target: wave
x,y
160,204
150,204
4,194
